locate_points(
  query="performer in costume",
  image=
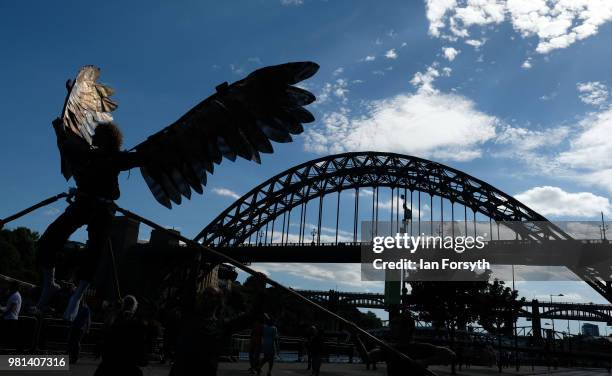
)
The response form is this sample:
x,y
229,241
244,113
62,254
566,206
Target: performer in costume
x,y
239,120
96,171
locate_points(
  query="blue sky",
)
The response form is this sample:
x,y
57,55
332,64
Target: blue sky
x,y
513,92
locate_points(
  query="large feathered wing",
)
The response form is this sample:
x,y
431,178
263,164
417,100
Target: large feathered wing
x,y
87,104
239,120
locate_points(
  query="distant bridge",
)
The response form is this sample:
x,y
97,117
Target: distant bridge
x,y
530,310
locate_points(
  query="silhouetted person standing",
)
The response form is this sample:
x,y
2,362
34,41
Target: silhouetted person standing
x,y
80,327
255,346
269,344
317,345
10,319
125,343
203,330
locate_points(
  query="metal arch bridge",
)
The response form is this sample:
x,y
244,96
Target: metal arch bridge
x,y
534,310
268,212
313,180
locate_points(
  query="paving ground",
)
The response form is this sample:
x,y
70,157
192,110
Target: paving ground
x,y
87,367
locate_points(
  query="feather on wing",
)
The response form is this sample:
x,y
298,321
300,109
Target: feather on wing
x,y
87,104
239,120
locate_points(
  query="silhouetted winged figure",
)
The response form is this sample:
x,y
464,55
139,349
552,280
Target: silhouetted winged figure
x,y
239,120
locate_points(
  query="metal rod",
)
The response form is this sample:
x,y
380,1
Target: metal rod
x,y
115,273
373,204
273,222
283,229
411,209
465,218
376,232
39,205
288,227
356,215
273,283
419,213
337,216
431,214
441,217
320,219
397,207
303,220
391,224
453,220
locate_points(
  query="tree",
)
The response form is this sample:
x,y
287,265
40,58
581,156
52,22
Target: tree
x,y
500,307
449,305
18,253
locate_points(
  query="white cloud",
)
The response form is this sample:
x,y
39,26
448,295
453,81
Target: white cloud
x,y
338,71
526,64
424,80
475,43
427,124
391,54
591,148
550,96
580,152
369,58
51,211
555,24
292,2
342,274
337,89
535,147
594,93
436,13
450,53
236,69
226,192
554,201
524,139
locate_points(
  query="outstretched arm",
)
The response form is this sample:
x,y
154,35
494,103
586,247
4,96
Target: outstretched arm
x,y
127,160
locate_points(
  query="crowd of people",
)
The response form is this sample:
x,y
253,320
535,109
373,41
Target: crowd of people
x,y
191,342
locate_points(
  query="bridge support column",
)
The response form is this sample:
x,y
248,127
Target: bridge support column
x,y
536,322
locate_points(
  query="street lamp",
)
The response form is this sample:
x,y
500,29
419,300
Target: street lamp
x,y
552,319
314,233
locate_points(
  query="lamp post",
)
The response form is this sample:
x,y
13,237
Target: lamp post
x,y
603,227
553,322
552,319
313,233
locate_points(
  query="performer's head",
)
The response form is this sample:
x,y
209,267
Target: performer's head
x,y
129,304
108,136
